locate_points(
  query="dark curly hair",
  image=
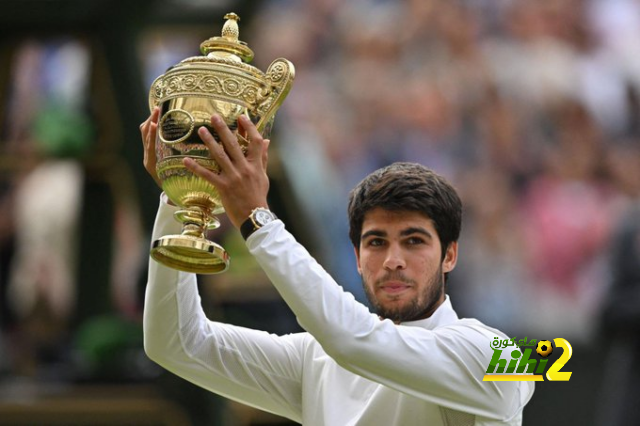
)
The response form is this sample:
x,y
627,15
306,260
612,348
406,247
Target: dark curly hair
x,y
407,187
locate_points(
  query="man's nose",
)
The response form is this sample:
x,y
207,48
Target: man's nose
x,y
394,259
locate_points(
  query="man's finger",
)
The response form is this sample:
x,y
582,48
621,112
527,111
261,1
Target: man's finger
x,y
152,133
199,170
228,138
215,150
256,145
153,118
265,154
149,131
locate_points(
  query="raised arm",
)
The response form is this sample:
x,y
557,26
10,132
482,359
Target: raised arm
x,y
444,366
250,366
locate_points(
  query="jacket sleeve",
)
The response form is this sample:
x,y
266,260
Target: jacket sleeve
x,y
250,366
444,366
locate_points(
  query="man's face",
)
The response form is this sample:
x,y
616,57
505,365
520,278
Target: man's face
x,y
400,264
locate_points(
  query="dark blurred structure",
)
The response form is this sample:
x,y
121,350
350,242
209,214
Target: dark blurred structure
x,y
621,327
77,207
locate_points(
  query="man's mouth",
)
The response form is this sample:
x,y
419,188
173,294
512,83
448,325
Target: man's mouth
x,y
394,287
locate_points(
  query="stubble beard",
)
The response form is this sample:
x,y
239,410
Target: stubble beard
x,y
422,306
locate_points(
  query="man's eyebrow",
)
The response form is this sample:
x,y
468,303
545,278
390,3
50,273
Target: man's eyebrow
x,y
403,233
373,233
416,230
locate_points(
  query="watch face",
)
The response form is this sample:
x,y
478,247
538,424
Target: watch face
x,y
263,216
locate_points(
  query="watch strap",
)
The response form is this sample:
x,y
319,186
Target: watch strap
x,y
247,228
250,225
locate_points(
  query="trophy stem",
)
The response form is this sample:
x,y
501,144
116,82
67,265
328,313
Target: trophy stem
x,y
196,220
191,251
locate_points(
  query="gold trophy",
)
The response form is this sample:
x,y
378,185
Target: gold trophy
x,y
221,82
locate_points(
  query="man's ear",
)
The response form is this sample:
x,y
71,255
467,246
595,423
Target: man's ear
x,y
450,257
357,253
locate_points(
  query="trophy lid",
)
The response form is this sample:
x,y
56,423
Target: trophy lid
x,y
228,43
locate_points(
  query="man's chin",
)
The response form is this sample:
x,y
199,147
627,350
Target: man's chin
x,y
394,303
403,310
395,311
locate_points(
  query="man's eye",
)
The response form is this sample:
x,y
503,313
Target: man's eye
x,y
415,240
375,242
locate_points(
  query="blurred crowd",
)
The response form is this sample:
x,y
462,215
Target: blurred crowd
x,y
531,108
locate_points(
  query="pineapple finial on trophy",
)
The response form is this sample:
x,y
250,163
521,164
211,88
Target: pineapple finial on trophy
x,y
229,42
230,29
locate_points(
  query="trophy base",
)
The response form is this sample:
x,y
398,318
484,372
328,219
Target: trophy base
x,y
190,254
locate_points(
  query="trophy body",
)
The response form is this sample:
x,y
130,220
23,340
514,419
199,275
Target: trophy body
x,y
188,94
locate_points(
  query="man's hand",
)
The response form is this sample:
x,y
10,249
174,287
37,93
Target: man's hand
x,y
243,183
149,130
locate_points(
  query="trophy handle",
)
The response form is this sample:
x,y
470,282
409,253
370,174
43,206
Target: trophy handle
x,y
280,75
